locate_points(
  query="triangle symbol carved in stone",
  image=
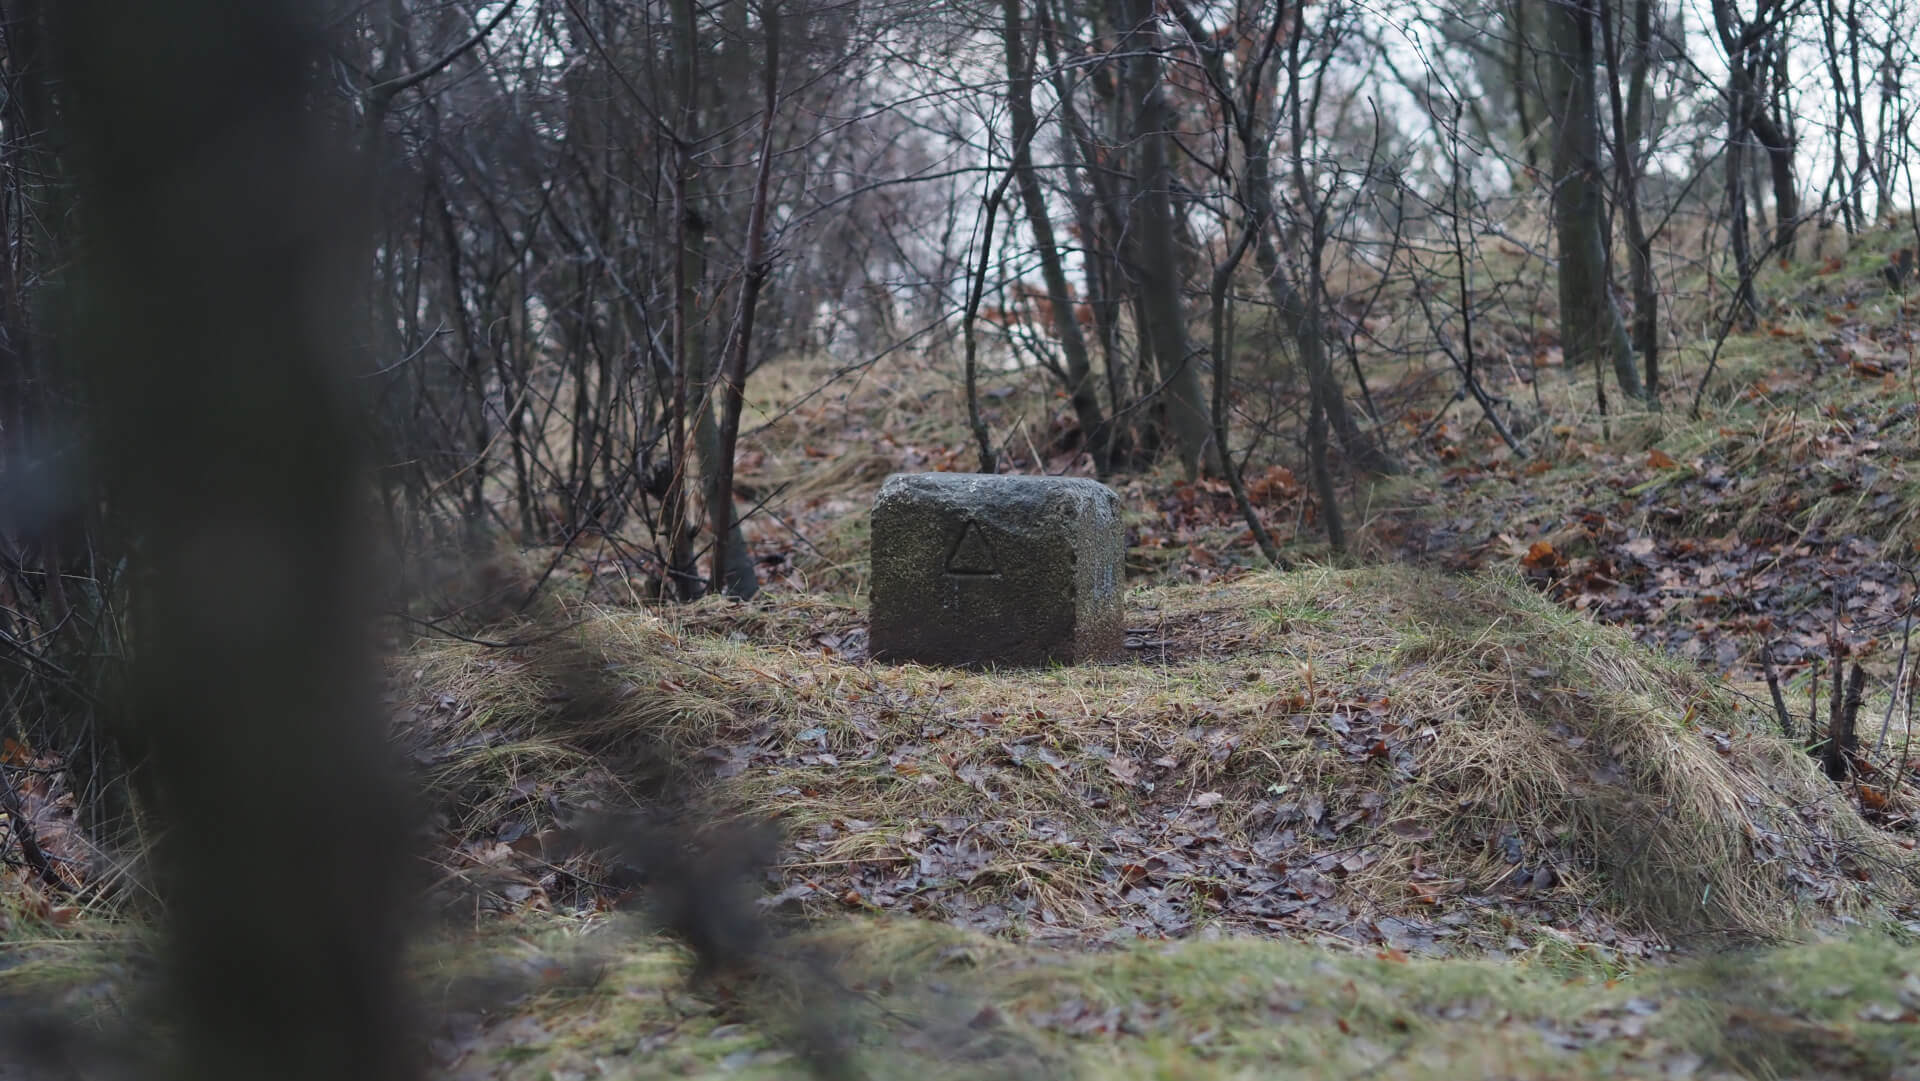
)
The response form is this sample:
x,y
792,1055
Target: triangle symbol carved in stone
x,y
971,553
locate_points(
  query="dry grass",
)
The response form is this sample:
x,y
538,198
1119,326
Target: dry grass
x,y
822,436
1505,725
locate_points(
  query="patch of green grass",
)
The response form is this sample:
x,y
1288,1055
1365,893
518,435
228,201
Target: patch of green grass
x,y
1304,613
910,999
544,997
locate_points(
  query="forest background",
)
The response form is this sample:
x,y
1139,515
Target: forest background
x,y
502,327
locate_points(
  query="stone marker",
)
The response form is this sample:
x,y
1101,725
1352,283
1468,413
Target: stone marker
x,y
978,569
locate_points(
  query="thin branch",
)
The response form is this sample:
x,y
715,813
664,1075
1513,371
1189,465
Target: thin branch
x,y
1773,688
380,94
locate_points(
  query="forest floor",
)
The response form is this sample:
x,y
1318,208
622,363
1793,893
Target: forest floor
x,y
1498,793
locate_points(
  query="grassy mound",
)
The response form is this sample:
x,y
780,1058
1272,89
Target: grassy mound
x,y
1382,757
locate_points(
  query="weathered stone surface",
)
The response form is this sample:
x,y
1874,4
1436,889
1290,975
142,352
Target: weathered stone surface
x,y
974,569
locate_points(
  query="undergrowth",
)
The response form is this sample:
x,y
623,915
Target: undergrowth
x,y
1367,755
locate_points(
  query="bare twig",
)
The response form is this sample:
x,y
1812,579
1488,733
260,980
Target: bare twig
x,y
988,460
1773,688
1899,678
1842,740
1813,702
20,828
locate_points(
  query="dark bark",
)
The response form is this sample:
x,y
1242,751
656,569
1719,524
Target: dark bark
x,y
1739,231
1847,104
1778,144
1629,123
1222,387
1155,258
1591,330
976,288
1329,402
1752,45
1843,733
680,577
1093,193
1522,81
733,570
1066,328
1865,161
1300,304
1323,488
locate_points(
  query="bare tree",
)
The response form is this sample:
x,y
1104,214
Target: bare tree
x,y
1591,330
1079,370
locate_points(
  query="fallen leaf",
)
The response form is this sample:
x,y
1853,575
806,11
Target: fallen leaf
x,y
1541,556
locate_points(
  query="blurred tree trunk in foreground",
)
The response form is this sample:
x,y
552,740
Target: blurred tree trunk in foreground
x,y
220,214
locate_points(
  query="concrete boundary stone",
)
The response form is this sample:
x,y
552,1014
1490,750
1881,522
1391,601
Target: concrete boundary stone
x,y
977,570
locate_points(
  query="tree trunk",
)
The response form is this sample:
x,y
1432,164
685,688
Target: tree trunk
x,y
1521,82
1629,123
1591,330
1155,259
1299,315
1094,201
1080,386
739,577
1739,233
680,577
1778,145
733,570
224,220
